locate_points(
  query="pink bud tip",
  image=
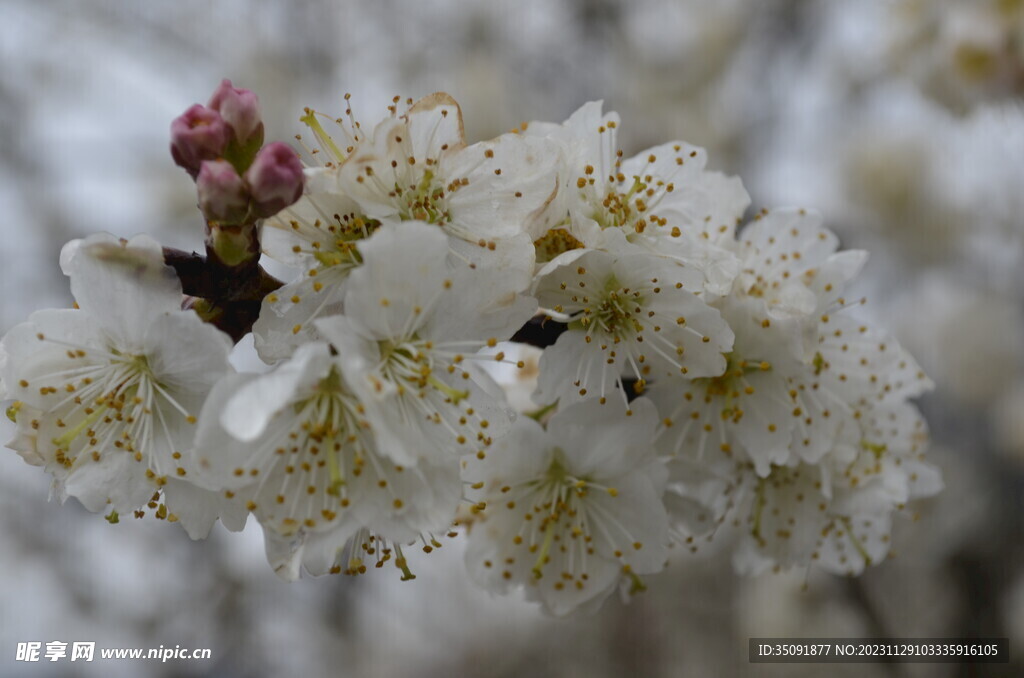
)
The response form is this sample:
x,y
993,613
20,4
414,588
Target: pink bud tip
x,y
223,196
275,178
240,109
198,134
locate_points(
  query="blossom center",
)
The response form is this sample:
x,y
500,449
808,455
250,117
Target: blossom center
x,y
426,199
626,208
555,242
614,311
411,362
107,405
318,457
730,382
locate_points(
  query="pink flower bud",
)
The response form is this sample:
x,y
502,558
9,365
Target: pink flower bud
x,y
223,196
240,109
275,178
198,134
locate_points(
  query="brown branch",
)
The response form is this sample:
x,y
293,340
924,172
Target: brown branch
x,y
229,297
209,279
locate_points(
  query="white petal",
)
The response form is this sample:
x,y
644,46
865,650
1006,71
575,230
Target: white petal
x,y
856,542
639,518
287,315
521,454
511,258
480,305
124,286
40,362
368,176
490,544
216,453
284,554
570,366
320,551
186,354
313,219
404,268
256,401
925,479
511,179
864,364
602,441
429,493
435,126
702,202
603,575
116,482
198,509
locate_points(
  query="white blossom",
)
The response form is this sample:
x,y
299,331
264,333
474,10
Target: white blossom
x,y
108,393
26,438
629,314
662,199
318,236
573,510
789,260
411,327
483,196
294,447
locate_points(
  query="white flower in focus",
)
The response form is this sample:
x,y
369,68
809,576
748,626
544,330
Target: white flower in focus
x,y
411,327
108,393
629,314
484,196
294,447
570,511
318,236
662,200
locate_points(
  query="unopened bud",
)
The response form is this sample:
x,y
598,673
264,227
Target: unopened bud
x,y
223,196
240,109
275,178
198,134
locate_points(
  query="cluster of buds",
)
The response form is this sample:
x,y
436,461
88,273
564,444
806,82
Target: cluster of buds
x,y
238,179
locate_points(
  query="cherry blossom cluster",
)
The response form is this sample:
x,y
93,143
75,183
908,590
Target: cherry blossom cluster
x,y
698,382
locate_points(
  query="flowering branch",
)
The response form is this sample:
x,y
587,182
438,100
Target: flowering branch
x,y
694,382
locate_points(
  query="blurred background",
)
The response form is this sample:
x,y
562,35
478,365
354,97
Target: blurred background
x,y
901,120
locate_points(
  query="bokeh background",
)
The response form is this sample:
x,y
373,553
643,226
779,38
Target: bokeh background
x,y
902,120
